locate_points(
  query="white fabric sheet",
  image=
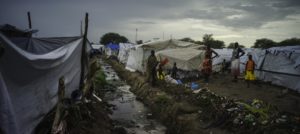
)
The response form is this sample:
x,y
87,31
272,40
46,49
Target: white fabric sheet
x,y
31,80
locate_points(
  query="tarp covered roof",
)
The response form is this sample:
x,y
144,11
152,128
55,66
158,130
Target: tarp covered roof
x,y
113,46
167,44
185,58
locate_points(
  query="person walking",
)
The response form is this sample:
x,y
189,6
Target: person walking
x,y
235,61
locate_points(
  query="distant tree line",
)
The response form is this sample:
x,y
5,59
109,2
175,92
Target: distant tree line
x,y
112,38
207,39
267,43
259,43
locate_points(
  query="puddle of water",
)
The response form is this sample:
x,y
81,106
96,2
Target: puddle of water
x,y
128,112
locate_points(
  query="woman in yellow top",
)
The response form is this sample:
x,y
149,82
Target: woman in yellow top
x,y
250,66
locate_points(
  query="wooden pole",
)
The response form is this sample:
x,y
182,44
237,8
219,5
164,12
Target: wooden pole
x,y
81,28
59,107
83,52
29,20
136,31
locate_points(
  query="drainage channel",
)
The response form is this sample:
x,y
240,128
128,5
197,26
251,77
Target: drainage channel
x,y
128,113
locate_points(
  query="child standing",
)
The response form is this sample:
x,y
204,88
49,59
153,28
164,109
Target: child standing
x,y
174,71
160,74
250,65
223,66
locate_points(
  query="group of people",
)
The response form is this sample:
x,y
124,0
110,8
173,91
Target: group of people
x,y
235,64
206,66
153,73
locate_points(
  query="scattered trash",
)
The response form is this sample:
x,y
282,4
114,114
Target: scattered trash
x,y
99,99
149,116
232,109
194,86
250,115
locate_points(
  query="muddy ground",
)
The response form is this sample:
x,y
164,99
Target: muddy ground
x,y
89,118
286,100
221,109
184,112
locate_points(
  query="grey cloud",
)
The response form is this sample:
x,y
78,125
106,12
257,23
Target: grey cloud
x,y
286,3
56,17
213,13
143,22
252,14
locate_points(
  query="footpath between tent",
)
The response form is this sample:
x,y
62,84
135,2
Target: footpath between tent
x,y
186,112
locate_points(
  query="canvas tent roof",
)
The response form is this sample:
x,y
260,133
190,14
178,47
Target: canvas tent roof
x,y
97,46
167,44
30,75
185,58
138,56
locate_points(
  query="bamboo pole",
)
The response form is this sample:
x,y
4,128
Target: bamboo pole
x,y
83,52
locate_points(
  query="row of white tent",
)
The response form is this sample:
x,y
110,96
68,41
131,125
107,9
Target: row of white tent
x,y
278,65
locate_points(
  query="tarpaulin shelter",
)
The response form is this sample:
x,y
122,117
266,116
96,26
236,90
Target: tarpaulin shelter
x,y
280,66
112,49
29,70
187,59
124,49
224,54
138,56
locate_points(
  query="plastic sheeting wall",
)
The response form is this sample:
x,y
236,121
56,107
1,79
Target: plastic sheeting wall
x,y
31,82
124,52
136,59
187,59
138,56
280,67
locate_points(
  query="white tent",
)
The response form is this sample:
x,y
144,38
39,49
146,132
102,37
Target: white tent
x,y
98,46
29,72
187,59
224,54
280,66
138,55
124,52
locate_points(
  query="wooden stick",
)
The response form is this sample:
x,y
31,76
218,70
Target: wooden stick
x,y
83,52
59,107
98,98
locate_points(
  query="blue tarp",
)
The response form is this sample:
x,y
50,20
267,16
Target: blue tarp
x,y
113,46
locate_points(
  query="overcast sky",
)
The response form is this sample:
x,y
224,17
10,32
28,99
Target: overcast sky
x,y
243,21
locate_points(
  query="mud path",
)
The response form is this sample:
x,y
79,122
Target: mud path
x,y
184,112
129,115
